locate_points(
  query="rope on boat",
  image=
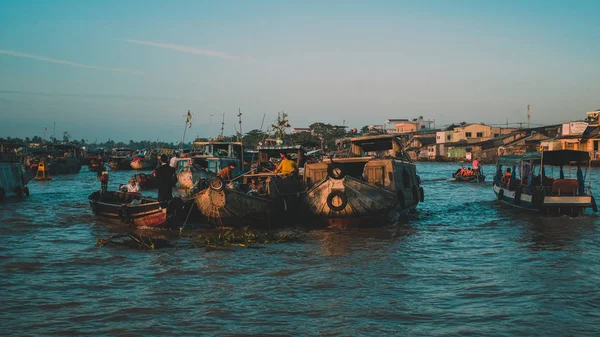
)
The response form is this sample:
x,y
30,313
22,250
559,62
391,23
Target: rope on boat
x,y
186,219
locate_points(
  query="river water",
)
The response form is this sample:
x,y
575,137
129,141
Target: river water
x,y
464,265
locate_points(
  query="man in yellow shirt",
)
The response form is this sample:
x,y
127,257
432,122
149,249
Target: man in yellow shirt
x,y
286,166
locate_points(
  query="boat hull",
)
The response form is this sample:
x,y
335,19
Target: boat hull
x,y
469,179
64,166
13,182
231,208
122,207
120,164
349,202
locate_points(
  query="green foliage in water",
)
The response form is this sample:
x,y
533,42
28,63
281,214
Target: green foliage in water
x,y
243,238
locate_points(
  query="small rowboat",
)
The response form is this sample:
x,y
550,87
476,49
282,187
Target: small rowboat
x,y
135,209
463,175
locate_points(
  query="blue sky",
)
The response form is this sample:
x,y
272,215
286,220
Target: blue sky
x,y
131,69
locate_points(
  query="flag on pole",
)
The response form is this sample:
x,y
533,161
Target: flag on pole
x,y
189,118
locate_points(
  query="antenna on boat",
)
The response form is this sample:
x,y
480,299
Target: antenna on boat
x,y
528,115
222,126
188,120
240,118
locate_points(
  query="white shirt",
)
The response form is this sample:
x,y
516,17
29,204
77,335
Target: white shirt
x,y
173,162
133,188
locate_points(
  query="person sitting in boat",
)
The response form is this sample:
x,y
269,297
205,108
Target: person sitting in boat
x,y
133,186
286,166
227,173
255,187
506,177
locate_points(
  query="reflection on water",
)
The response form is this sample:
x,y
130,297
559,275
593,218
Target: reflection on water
x,y
464,264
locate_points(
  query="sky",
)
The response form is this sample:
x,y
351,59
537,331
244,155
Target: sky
x,y
131,69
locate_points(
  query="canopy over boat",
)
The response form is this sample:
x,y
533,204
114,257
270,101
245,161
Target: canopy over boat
x,y
552,158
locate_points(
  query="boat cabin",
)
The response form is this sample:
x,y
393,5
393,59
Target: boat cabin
x,y
214,156
367,159
9,152
121,152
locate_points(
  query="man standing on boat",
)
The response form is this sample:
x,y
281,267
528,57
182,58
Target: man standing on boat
x,y
476,166
165,180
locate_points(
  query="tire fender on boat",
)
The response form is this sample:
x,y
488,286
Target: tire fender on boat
x,y
216,184
343,200
500,194
335,172
594,206
422,194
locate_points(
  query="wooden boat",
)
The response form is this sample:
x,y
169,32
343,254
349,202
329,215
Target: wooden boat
x,y
137,210
145,160
235,207
279,205
369,189
468,175
13,181
120,159
535,185
207,159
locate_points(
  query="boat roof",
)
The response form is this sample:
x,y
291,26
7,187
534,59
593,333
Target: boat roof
x,y
374,143
552,158
217,143
280,148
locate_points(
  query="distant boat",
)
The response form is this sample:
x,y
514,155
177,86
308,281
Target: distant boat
x,y
120,159
533,186
145,160
468,175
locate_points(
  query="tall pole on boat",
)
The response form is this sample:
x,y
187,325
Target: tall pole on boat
x,y
54,133
222,126
188,120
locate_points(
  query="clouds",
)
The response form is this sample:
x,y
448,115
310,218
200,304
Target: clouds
x,y
184,49
68,63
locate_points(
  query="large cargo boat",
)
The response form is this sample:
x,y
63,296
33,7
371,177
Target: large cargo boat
x,y
553,182
375,185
